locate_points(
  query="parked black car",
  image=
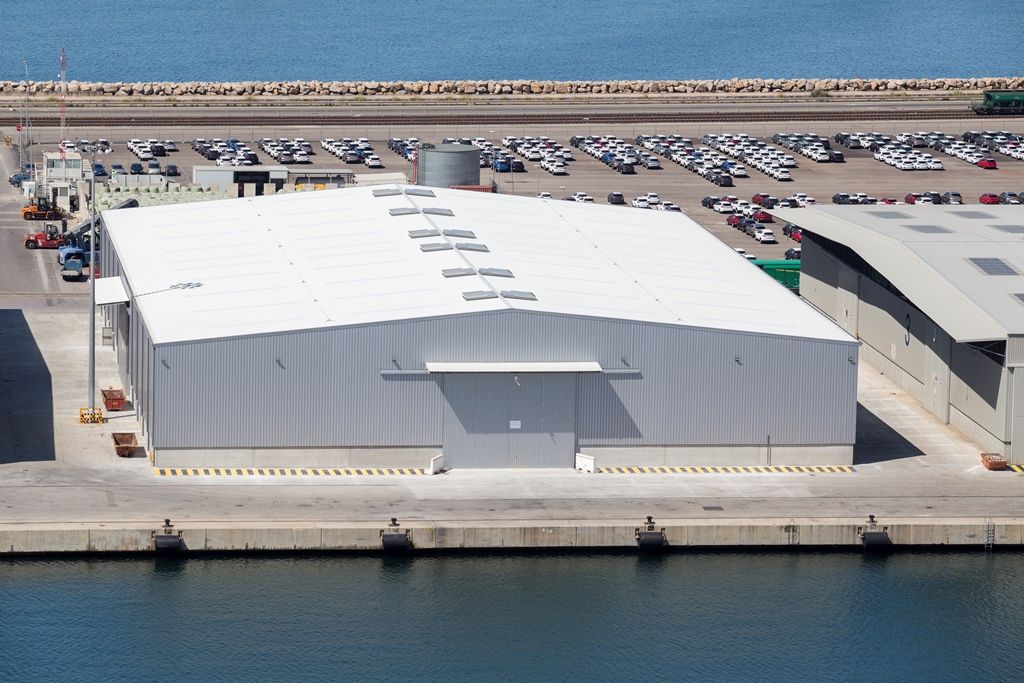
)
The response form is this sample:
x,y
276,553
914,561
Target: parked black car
x,y
709,202
624,168
171,170
793,253
840,198
952,198
135,169
835,156
616,198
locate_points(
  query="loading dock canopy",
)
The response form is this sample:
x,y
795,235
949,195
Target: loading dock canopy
x,y
110,290
571,366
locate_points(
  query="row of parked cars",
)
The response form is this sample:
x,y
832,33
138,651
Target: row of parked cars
x,y
815,147
904,157
992,139
147,150
229,152
352,151
747,217
287,150
406,148
614,152
1002,198
552,156
766,158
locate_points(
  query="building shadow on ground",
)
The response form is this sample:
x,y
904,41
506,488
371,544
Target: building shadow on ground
x,y
878,442
26,394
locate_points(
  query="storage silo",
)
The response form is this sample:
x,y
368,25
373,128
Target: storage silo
x,y
447,165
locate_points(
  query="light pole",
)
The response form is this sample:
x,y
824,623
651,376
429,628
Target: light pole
x,y
92,150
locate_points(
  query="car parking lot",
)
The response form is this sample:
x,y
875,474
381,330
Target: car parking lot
x,y
860,172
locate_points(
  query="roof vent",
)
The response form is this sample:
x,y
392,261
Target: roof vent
x,y
386,192
513,294
435,246
419,192
971,214
471,246
993,266
458,272
434,211
888,214
479,295
496,272
429,232
1015,229
1020,297
929,228
465,234
404,211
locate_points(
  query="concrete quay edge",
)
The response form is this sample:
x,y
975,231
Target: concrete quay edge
x,y
451,536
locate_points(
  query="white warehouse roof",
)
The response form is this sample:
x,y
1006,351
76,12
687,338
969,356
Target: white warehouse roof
x,y
962,265
353,256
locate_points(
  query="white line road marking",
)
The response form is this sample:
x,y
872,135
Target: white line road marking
x,y
43,274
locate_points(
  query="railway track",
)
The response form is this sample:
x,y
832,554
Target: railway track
x,y
491,118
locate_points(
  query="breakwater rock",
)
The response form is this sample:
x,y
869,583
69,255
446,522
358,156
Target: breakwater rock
x,y
506,87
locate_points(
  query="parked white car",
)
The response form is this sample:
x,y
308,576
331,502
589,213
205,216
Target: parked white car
x,y
640,203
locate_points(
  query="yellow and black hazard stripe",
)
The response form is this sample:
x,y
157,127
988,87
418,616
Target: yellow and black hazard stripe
x,y
285,471
1017,468
732,469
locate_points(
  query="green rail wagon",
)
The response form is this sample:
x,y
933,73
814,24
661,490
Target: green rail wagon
x,y
995,102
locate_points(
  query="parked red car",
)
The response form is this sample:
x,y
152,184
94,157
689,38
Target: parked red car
x,y
734,219
762,217
759,198
912,198
987,163
888,200
797,235
989,198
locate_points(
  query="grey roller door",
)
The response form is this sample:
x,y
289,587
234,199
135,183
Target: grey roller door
x,y
509,420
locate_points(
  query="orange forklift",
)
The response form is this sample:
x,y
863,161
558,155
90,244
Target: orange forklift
x,y
40,210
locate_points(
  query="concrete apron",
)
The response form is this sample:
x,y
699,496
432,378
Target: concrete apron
x,y
16,539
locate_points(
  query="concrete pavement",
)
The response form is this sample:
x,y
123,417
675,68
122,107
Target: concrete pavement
x,y
59,476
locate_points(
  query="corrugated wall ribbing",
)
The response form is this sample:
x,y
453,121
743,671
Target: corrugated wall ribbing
x,y
710,387
324,388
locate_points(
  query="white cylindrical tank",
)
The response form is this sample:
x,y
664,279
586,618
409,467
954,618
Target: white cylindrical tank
x,y
447,165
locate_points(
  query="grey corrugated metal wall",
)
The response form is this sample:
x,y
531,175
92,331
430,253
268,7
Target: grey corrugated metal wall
x,y
135,360
324,388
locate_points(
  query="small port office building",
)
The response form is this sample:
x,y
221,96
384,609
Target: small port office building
x,y
936,295
382,326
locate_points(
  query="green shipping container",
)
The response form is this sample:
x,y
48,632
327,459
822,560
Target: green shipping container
x,y
786,272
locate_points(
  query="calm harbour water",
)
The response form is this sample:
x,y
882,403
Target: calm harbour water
x,y
182,40
699,617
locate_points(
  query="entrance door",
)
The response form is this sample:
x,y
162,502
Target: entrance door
x,y
509,420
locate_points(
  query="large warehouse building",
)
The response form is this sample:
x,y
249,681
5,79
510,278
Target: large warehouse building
x,y
936,293
383,326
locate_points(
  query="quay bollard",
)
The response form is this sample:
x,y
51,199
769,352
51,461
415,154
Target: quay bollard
x,y
874,537
168,541
648,538
394,540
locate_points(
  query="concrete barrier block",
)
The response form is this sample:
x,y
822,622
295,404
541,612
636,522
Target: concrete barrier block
x,y
44,541
350,538
120,540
